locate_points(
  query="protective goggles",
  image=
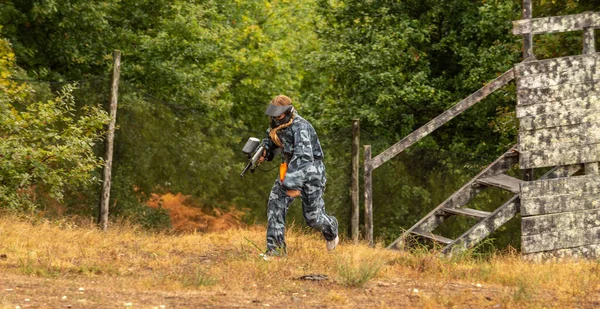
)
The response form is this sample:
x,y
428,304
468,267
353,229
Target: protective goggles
x,y
275,111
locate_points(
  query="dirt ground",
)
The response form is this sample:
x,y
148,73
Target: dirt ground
x,y
58,265
20,291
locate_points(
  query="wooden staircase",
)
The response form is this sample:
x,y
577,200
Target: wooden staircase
x,y
487,222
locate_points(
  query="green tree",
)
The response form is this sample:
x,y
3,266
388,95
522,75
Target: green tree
x,y
59,39
397,65
196,78
45,148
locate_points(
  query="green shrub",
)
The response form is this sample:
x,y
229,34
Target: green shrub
x,y
46,147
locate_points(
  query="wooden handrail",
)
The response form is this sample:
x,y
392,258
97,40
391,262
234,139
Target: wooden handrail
x,y
444,117
556,24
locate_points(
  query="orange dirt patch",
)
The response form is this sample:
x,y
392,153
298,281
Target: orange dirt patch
x,y
187,217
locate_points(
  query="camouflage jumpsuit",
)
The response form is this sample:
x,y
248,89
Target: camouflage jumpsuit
x,y
306,173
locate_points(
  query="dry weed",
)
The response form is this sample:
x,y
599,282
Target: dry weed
x,y
227,261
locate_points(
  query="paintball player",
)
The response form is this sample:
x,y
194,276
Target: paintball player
x,y
301,174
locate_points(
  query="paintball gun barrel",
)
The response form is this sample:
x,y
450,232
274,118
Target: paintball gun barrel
x,y
254,149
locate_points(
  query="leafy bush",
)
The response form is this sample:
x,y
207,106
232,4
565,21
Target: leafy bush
x,y
46,147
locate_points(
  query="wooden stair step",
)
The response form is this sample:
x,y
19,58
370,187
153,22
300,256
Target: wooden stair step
x,y
473,213
459,199
502,181
432,236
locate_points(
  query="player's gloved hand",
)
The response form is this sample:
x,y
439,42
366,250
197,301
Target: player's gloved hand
x,y
263,157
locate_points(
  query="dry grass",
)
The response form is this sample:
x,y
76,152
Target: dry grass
x,y
223,269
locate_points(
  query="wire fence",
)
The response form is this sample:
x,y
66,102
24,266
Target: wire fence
x,y
162,146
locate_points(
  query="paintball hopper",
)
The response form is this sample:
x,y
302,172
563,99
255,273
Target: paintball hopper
x,y
251,146
254,149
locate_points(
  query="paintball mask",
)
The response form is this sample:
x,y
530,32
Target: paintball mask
x,y
274,111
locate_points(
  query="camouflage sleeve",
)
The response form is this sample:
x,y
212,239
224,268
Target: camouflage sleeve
x,y
271,148
301,159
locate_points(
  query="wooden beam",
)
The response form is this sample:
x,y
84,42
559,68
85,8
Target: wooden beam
x,y
589,47
561,118
558,204
587,184
560,240
554,65
502,181
557,23
114,95
485,227
562,171
498,218
461,197
580,73
468,212
592,102
443,118
565,155
573,220
588,252
527,38
429,235
368,196
591,168
541,96
528,55
559,137
589,41
354,221
532,205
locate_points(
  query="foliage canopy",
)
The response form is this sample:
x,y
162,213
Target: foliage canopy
x,y
198,74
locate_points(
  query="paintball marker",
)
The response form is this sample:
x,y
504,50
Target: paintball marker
x,y
254,149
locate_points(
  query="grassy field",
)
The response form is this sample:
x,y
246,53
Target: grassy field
x,y
60,264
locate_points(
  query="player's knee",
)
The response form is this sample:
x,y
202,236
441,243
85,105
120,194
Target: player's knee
x,y
312,220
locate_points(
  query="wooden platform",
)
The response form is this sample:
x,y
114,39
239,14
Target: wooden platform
x,y
561,217
559,111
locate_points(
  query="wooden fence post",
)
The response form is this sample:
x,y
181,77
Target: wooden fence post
x,y
589,41
114,95
528,174
527,38
368,196
354,221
